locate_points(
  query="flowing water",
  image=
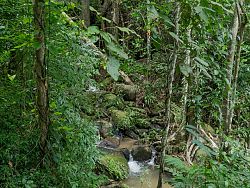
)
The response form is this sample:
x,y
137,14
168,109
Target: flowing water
x,y
142,174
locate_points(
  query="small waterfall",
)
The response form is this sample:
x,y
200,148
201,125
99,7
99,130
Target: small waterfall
x,y
134,166
151,162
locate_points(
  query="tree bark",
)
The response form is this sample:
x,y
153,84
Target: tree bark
x,y
242,25
85,12
115,18
148,39
168,99
185,91
230,64
41,76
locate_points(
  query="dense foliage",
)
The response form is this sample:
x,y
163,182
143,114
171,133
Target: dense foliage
x,y
175,55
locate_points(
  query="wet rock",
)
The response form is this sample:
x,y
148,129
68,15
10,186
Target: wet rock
x,y
114,166
131,134
141,153
105,128
114,140
107,144
126,153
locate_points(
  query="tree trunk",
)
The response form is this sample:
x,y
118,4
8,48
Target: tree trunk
x,y
148,39
185,91
168,99
230,64
115,18
41,76
85,12
242,25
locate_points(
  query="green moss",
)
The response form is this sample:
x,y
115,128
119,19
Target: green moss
x,y
121,119
114,166
111,100
138,117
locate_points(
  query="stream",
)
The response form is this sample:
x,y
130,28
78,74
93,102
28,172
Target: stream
x,y
142,174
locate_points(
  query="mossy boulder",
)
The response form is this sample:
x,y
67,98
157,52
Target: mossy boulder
x,y
121,119
141,153
114,166
128,91
139,117
89,102
111,100
105,128
142,123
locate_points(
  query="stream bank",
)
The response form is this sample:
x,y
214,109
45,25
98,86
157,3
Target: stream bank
x,y
129,133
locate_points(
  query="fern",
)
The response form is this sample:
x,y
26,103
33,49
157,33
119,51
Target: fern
x,y
176,163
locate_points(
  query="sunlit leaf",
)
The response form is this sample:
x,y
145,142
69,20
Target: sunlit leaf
x,y
127,30
93,30
113,67
11,77
106,19
105,36
114,48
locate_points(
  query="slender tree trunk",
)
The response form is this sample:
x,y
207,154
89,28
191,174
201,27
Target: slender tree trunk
x,y
85,12
185,92
41,76
230,64
115,18
242,25
168,100
148,39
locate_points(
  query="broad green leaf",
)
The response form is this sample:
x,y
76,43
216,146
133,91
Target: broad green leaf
x,y
152,13
203,66
106,19
167,20
127,30
191,131
113,68
203,147
228,85
26,20
11,77
185,69
216,72
93,30
201,61
105,36
124,29
202,14
175,37
94,38
114,48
